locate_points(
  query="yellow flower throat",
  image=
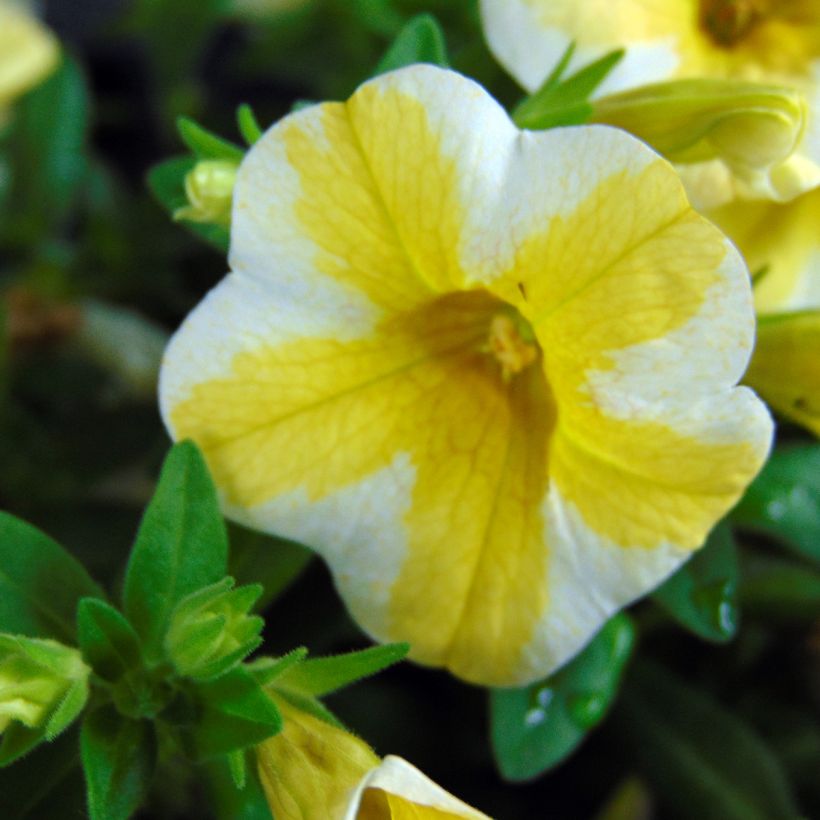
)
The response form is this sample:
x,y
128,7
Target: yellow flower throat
x,y
512,343
729,21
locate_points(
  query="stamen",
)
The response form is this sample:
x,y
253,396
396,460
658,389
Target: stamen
x,y
509,344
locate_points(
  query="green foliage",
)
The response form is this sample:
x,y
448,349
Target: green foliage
x,y
688,745
181,546
234,712
118,755
421,40
702,595
108,641
248,124
206,145
535,727
784,500
40,583
565,101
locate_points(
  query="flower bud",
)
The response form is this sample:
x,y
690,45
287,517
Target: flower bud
x,y
313,770
211,631
209,188
36,677
785,367
754,129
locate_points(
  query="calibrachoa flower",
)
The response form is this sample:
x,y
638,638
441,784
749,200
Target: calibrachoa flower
x,y
312,770
781,243
28,52
767,41
488,374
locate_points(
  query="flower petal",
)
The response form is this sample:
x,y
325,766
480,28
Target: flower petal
x,y
397,790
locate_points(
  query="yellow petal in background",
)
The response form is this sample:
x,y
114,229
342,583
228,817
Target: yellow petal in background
x,y
781,245
776,44
28,52
465,363
785,368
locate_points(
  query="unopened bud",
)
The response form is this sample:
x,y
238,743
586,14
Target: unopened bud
x,y
209,188
211,630
36,678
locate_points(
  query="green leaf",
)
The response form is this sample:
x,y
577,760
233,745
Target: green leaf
x,y
688,746
565,102
45,783
235,713
108,642
205,144
40,583
227,801
702,594
536,727
420,41
784,500
69,709
266,670
248,124
167,183
118,756
53,162
181,545
778,588
320,676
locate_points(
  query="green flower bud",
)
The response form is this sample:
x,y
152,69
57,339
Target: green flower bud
x,y
42,683
209,188
749,126
211,630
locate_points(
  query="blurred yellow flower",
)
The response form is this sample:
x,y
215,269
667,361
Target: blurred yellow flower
x,y
28,52
776,42
312,770
488,374
781,243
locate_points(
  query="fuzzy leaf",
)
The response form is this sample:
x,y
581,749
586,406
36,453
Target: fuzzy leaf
x,y
420,41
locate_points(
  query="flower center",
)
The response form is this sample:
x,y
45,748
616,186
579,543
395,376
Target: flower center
x,y
512,343
729,21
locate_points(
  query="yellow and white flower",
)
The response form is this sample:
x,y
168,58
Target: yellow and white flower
x,y
312,770
488,374
28,52
775,42
781,243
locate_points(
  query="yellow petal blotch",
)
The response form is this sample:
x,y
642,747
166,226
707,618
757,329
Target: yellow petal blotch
x,y
499,394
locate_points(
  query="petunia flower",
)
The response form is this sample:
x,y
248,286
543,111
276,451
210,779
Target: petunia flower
x,y
313,770
781,243
488,374
764,41
28,53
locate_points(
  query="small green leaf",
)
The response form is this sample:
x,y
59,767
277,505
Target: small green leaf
x,y
167,183
702,594
238,765
53,161
320,676
205,144
780,588
108,642
40,583
227,801
536,727
420,41
784,500
688,745
69,709
235,713
118,756
565,102
248,124
181,545
266,670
